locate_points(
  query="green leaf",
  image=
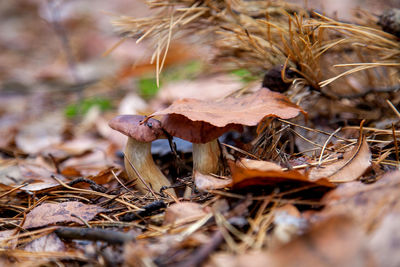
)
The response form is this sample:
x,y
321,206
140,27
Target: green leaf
x,y
244,75
148,87
83,106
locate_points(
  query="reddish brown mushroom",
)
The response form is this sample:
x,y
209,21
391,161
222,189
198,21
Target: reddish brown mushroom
x,y
202,122
138,150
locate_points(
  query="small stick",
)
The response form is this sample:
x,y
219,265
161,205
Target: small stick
x,y
92,184
56,165
393,108
147,210
93,234
12,190
121,183
81,219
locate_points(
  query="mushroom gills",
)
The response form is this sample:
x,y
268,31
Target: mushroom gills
x,y
139,154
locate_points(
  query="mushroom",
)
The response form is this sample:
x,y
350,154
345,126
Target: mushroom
x,y
202,122
138,151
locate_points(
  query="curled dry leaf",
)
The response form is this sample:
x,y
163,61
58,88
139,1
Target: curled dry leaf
x,y
50,213
183,212
206,182
354,163
247,110
254,172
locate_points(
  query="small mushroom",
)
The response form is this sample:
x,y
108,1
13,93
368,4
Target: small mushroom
x,y
138,150
202,122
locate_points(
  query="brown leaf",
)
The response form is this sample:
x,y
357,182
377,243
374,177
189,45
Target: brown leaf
x,y
253,172
183,212
33,187
384,242
247,110
350,168
366,203
50,213
206,182
33,137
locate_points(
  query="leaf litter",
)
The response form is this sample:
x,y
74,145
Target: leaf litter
x,y
65,197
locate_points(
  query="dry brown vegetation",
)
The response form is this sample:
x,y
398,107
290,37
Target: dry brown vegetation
x,y
309,177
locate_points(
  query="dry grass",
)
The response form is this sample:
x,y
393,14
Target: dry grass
x,y
259,35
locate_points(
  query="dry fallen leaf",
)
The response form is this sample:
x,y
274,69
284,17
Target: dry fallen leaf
x,y
34,187
35,136
183,212
366,203
354,163
49,213
384,241
253,172
206,182
246,110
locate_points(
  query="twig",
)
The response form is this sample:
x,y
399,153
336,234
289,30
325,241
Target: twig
x,y
393,108
121,183
147,210
92,184
94,234
56,165
12,190
81,219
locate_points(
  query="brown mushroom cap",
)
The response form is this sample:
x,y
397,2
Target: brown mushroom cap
x,y
195,131
201,121
130,125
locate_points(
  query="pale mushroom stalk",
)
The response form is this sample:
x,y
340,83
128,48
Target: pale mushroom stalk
x,y
139,154
206,160
138,151
206,157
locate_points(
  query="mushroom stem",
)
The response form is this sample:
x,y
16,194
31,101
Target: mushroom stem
x,y
206,157
139,154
